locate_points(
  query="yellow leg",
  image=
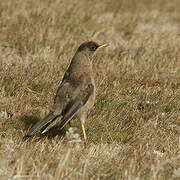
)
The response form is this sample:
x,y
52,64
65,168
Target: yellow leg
x,y
84,132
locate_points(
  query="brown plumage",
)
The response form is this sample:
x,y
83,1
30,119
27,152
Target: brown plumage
x,y
76,93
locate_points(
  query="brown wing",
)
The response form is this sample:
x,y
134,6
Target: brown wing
x,y
70,97
74,105
79,101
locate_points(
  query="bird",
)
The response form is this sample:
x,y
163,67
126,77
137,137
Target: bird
x,y
76,93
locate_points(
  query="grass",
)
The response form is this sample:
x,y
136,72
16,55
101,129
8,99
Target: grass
x,y
134,128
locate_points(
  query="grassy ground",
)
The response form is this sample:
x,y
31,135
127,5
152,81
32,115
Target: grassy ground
x,y
134,129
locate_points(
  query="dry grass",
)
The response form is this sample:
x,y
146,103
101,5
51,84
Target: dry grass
x,y
134,129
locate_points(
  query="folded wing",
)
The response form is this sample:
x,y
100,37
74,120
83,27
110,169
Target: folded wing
x,y
73,106
68,101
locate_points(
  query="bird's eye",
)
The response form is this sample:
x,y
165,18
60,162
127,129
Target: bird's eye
x,y
93,48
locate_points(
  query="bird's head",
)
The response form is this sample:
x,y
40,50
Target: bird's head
x,y
89,48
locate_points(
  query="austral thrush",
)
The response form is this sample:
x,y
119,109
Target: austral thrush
x,y
76,93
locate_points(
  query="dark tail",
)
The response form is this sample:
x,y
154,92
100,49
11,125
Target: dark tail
x,y
39,125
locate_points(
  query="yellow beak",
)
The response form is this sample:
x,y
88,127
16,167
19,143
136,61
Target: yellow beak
x,y
103,46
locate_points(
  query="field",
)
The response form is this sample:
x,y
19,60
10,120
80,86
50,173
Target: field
x,y
133,130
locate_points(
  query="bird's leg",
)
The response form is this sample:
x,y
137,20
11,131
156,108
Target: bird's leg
x,y
69,124
84,132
